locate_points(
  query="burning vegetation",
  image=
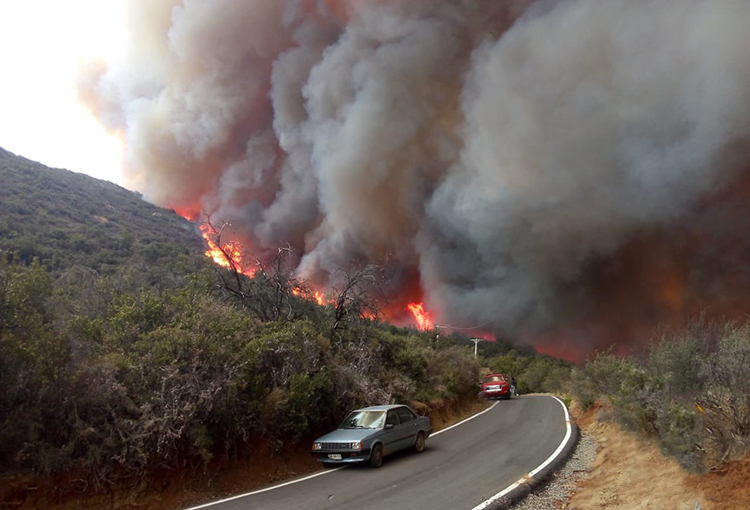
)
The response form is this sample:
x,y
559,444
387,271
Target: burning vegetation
x,y
232,256
571,174
424,322
229,255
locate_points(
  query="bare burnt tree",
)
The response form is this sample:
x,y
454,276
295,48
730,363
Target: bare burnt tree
x,y
274,285
236,272
356,299
266,290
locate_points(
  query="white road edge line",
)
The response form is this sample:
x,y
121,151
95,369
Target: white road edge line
x,y
266,489
328,471
446,429
569,431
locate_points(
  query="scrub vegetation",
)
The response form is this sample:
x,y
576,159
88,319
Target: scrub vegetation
x,y
534,373
122,381
123,350
691,391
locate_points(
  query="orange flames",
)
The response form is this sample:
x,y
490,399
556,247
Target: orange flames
x,y
424,323
319,298
228,255
316,296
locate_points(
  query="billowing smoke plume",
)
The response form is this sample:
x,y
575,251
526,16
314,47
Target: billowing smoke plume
x,y
568,172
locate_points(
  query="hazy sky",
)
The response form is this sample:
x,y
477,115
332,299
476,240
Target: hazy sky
x,y
41,44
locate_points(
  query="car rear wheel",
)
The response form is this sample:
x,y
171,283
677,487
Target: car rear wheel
x,y
376,457
419,443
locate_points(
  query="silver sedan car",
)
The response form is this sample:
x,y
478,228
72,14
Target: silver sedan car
x,y
371,433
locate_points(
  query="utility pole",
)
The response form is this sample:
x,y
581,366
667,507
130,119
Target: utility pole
x,y
437,327
476,343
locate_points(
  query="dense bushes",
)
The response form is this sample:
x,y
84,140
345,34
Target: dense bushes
x,y
120,377
692,392
535,373
66,219
127,353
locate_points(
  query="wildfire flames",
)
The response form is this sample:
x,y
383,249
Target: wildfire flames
x,y
424,323
315,295
434,136
229,255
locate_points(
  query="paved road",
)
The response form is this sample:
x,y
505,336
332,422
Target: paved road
x,y
460,468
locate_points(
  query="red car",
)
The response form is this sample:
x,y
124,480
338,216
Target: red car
x,y
495,386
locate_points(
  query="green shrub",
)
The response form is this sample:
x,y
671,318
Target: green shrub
x,y
146,368
725,400
535,373
692,392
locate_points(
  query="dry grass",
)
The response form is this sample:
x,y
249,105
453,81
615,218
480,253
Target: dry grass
x,y
630,472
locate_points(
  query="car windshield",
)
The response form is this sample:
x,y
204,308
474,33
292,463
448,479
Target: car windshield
x,y
494,378
364,420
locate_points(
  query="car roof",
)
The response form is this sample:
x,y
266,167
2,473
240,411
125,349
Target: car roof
x,y
381,408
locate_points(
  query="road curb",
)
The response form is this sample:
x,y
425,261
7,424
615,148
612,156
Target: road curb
x,y
540,479
529,484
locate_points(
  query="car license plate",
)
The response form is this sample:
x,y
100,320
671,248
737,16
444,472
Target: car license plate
x,y
334,456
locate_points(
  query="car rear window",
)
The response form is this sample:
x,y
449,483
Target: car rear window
x,y
494,378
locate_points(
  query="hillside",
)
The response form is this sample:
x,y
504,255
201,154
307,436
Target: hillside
x,y
125,353
66,218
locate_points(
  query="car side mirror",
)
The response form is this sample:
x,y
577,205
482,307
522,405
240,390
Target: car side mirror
x,y
388,426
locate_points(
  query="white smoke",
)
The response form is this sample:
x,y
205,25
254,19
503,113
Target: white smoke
x,y
500,148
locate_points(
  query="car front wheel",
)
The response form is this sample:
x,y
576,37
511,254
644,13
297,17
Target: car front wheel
x,y
376,457
419,443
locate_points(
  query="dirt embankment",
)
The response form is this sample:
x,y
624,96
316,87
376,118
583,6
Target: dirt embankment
x,y
631,473
264,465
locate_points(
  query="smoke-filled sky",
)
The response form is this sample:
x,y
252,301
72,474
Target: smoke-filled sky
x,y
41,44
569,173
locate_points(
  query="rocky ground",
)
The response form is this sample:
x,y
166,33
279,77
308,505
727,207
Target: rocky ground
x,y
558,491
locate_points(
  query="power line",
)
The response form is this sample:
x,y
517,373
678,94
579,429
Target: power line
x,y
448,326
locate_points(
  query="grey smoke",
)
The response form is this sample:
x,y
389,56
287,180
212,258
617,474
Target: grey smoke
x,y
503,149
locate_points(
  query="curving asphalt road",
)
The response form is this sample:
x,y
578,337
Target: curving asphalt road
x,y
462,468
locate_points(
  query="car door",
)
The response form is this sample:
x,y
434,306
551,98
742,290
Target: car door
x,y
392,433
409,427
